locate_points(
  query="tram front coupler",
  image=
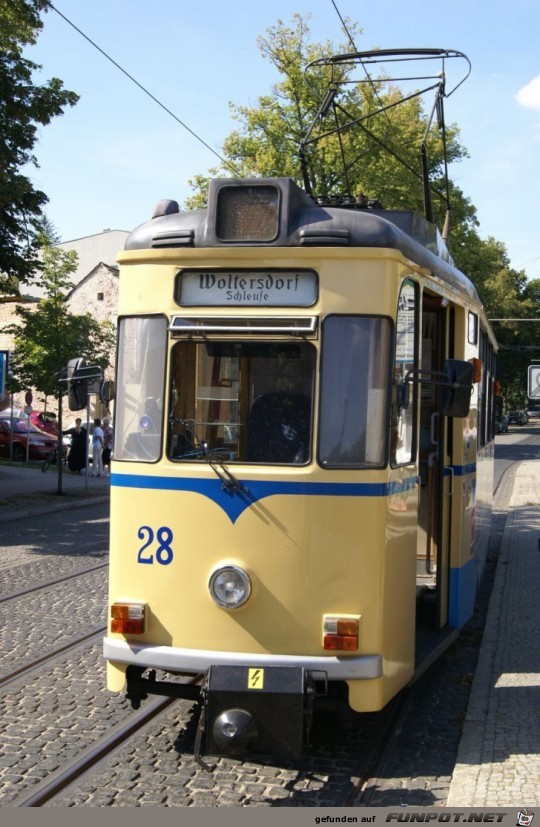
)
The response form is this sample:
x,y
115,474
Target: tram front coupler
x,y
249,710
139,686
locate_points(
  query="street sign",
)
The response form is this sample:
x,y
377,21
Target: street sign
x,y
534,382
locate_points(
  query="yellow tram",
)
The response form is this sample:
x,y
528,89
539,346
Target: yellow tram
x,y
303,458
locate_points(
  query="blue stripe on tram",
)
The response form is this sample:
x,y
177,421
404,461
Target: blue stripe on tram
x,y
235,503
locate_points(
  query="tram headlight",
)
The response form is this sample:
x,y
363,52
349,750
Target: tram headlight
x,y
229,587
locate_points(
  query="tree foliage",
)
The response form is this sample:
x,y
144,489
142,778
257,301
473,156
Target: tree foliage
x,y
24,107
268,139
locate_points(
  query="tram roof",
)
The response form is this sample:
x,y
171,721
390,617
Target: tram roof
x,y
304,223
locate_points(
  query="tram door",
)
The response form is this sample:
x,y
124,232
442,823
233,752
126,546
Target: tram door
x,y
433,548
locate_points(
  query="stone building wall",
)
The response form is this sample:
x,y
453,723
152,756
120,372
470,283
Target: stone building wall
x,y
97,294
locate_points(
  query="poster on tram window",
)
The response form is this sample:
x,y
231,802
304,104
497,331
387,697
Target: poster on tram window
x,y
405,326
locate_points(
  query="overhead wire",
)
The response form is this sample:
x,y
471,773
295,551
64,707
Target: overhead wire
x,y
373,85
224,161
345,29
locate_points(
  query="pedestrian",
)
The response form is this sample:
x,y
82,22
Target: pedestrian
x,y
97,449
78,448
107,446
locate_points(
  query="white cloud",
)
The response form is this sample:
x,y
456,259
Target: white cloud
x,y
529,95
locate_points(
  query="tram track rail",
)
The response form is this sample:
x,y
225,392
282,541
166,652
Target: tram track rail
x,y
323,774
92,756
45,584
93,765
91,759
383,751
50,656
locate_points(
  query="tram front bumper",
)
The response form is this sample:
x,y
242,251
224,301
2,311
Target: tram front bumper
x,y
196,662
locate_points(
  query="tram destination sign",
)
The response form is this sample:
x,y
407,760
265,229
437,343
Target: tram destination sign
x,y
247,288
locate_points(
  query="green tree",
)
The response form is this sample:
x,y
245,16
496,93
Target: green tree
x,y
24,107
506,294
268,139
48,336
513,297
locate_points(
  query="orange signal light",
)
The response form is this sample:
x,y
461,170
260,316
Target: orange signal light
x,y
344,643
128,618
341,632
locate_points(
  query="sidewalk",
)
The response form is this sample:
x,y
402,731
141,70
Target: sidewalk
x,y
498,763
25,491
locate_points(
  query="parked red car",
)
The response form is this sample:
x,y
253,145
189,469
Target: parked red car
x,y
41,444
45,421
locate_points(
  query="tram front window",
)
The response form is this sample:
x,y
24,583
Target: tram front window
x,y
242,402
139,398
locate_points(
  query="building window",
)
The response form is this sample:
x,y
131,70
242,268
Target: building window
x,y
100,297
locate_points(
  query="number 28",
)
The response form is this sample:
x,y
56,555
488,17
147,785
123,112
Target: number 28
x,y
157,546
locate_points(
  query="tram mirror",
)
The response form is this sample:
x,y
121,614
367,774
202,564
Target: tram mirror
x,y
77,388
456,395
107,392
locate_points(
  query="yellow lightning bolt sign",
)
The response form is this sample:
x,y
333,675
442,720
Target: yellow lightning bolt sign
x,y
255,678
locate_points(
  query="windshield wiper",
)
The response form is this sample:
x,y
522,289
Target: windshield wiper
x,y
228,480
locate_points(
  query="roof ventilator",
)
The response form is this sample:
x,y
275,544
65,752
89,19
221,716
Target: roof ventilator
x,y
325,238
174,238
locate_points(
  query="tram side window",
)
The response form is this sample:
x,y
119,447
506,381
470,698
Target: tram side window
x,y
354,392
485,391
402,424
492,370
140,386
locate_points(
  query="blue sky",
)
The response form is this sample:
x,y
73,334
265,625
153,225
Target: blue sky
x,y
108,160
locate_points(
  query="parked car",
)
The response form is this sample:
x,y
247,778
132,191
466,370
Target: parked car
x,y
517,418
40,443
13,413
45,421
501,425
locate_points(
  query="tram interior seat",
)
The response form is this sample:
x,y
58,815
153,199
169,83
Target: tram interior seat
x,y
278,428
